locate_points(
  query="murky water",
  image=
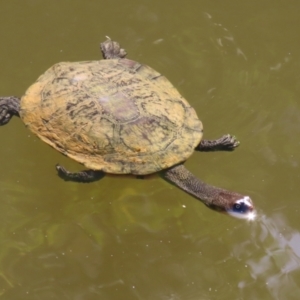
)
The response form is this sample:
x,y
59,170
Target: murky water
x,y
237,63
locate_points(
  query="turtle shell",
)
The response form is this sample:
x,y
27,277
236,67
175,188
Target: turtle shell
x,y
114,115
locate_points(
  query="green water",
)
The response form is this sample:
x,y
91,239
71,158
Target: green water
x,y
237,63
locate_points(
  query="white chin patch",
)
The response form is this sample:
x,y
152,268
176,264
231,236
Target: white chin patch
x,y
245,200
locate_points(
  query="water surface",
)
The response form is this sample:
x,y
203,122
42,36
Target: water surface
x,y
237,63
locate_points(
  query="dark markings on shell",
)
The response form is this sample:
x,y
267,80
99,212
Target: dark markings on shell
x,y
90,115
156,77
115,115
73,104
83,110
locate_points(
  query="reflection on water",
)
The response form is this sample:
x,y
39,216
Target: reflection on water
x,y
114,248
281,259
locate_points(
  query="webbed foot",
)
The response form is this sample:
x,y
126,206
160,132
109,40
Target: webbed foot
x,y
9,107
112,49
225,143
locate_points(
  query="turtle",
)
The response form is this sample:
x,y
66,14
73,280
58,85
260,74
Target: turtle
x,y
118,116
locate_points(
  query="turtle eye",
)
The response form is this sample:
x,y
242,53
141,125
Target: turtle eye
x,y
241,208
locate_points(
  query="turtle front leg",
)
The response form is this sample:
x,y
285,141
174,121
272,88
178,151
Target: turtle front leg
x,y
82,176
225,143
112,49
9,106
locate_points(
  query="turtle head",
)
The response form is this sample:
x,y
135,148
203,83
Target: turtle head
x,y
231,203
242,208
112,50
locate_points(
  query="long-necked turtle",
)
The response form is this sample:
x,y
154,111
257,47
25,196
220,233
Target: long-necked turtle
x,y
119,116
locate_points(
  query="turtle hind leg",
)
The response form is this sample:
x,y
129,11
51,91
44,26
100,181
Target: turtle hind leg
x,y
9,107
225,143
85,176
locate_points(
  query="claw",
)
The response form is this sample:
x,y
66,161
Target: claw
x,y
229,142
62,172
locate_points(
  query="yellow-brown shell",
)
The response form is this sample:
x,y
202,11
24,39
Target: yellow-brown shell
x,y
113,115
